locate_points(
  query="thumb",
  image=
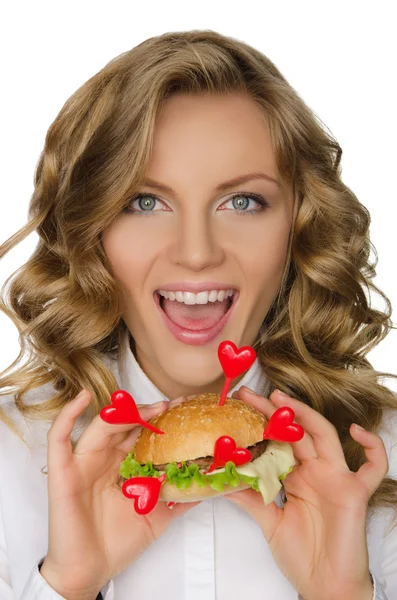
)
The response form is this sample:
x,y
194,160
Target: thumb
x,y
267,516
99,433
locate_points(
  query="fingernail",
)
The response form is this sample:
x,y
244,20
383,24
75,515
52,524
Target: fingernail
x,y
247,391
282,394
359,427
176,401
80,394
157,404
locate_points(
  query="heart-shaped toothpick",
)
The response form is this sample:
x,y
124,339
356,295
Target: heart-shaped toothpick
x,y
145,490
281,427
234,362
124,410
225,449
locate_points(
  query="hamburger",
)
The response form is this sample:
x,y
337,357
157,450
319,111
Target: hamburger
x,y
184,455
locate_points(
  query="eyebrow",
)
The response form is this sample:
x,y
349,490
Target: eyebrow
x,y
219,188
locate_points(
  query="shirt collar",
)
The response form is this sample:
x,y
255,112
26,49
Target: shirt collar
x,y
142,389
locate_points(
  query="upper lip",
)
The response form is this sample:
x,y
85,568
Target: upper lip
x,y
195,287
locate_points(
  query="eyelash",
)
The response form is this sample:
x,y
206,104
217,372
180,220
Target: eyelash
x,y
259,199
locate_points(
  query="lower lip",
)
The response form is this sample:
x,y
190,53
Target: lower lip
x,y
200,336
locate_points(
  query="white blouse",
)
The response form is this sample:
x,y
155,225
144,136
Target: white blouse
x,y
214,552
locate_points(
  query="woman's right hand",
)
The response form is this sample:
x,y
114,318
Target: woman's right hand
x,y
94,531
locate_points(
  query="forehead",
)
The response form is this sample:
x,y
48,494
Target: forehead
x,y
211,137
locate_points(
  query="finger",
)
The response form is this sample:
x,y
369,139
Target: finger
x,y
126,445
171,403
59,449
372,472
180,399
324,433
259,402
100,434
304,449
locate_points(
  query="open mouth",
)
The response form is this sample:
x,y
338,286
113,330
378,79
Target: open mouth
x,y
197,323
195,316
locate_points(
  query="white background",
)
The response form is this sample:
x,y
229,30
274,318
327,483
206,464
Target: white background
x,y
339,56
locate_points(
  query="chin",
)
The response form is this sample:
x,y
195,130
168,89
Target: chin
x,y
194,369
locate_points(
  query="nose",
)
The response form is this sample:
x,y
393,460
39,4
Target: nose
x,y
196,243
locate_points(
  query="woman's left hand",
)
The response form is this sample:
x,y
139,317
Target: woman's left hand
x,y
318,540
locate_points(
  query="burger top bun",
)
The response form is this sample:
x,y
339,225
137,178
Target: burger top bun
x,y
192,428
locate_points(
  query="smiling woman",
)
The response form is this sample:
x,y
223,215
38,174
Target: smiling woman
x,y
196,235
186,195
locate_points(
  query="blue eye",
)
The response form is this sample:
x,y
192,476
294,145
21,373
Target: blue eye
x,y
240,202
145,202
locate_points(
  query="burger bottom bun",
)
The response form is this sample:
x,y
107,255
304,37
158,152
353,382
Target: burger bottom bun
x,y
170,493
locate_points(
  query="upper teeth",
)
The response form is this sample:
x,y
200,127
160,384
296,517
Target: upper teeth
x,y
200,298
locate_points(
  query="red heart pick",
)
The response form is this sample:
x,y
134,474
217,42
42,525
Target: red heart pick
x,y
124,410
225,449
235,360
281,427
145,490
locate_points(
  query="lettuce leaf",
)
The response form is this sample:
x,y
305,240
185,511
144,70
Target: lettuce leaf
x,y
183,476
228,476
284,475
131,468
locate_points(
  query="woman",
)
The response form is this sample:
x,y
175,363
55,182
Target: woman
x,y
190,165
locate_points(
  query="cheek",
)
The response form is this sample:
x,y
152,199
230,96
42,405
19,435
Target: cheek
x,y
264,251
130,252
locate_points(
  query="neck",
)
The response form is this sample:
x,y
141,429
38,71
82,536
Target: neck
x,y
175,389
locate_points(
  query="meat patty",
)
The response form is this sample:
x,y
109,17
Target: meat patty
x,y
206,461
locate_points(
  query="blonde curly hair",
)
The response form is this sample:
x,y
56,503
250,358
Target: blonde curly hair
x,y
66,303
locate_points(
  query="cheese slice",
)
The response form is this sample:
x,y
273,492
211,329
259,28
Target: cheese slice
x,y
274,464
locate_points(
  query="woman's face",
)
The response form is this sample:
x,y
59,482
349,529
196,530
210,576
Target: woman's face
x,y
194,232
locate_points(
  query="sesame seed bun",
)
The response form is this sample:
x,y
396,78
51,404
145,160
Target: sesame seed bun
x,y
190,432
192,428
